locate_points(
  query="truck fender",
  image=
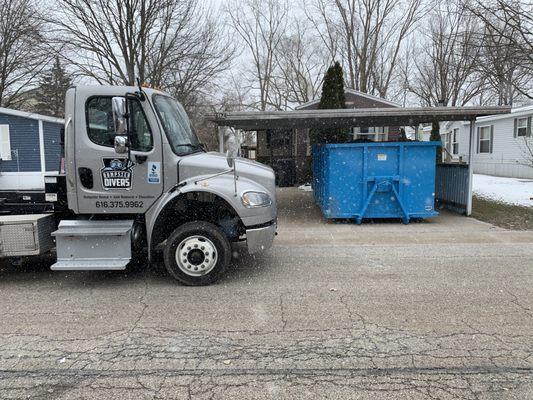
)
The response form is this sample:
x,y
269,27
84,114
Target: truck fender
x,y
167,201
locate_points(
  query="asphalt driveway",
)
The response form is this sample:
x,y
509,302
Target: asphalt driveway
x,y
441,309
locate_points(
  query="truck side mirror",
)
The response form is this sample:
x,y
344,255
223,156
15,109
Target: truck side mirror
x,y
121,144
119,115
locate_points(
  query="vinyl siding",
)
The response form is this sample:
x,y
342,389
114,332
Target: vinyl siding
x,y
24,136
508,153
52,148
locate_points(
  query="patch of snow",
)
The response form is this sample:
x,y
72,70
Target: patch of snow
x,y
306,188
506,190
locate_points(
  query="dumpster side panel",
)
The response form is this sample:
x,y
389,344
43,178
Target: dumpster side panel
x,y
319,168
375,180
344,173
383,162
323,182
419,180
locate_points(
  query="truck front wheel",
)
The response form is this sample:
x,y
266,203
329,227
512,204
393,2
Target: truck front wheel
x,y
197,253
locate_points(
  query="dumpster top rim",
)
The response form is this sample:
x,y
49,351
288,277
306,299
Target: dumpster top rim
x,y
380,144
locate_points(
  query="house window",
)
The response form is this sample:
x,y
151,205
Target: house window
x,y
375,133
455,141
370,130
521,127
485,139
5,143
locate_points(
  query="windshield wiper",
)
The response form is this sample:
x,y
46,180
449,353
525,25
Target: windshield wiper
x,y
196,147
191,145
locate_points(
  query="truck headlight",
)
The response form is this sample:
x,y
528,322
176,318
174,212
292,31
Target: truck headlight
x,y
255,199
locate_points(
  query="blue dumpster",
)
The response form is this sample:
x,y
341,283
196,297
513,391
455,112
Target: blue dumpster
x,y
375,180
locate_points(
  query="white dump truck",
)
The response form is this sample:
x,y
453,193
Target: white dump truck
x,y
138,181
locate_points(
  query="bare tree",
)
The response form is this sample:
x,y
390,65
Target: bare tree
x,y
400,90
235,96
367,35
111,40
498,66
192,68
445,72
21,49
261,25
507,46
301,63
169,44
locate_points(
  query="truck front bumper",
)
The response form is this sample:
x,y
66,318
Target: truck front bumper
x,y
260,238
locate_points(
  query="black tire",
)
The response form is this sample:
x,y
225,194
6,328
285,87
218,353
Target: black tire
x,y
191,231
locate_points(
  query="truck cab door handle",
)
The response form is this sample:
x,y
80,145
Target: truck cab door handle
x,y
140,158
86,177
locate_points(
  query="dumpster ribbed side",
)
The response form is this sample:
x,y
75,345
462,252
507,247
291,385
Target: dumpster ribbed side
x,y
375,180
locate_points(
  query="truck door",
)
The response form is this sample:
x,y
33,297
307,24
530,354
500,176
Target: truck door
x,y
107,182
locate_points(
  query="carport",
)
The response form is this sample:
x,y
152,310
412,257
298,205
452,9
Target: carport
x,y
453,181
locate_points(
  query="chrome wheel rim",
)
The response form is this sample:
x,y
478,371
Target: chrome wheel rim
x,y
196,255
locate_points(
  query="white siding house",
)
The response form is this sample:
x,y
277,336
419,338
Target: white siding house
x,y
503,144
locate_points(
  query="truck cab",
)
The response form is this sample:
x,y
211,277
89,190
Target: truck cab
x,y
139,182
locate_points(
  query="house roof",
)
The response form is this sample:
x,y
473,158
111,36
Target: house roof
x,y
25,114
350,117
355,93
515,113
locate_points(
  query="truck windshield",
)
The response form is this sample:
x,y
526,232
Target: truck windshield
x,y
178,128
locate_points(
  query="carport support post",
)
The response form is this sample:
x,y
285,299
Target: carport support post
x,y
221,139
470,167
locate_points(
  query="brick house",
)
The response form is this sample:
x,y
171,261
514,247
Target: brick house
x,y
288,152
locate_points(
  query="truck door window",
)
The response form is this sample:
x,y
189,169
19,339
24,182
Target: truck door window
x,y
100,127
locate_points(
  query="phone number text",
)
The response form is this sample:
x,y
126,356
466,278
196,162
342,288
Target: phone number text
x,y
119,204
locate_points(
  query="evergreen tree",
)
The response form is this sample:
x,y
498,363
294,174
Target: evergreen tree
x,y
50,94
332,98
435,136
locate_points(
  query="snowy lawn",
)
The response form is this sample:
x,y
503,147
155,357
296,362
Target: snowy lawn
x,y
506,190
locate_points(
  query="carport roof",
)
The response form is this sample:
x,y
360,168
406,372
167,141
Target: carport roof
x,y
261,120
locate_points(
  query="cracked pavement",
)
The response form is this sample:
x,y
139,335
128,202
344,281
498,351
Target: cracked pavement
x,y
434,310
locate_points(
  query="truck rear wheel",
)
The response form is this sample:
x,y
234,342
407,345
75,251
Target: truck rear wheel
x,y
197,253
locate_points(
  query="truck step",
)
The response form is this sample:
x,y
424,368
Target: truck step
x,y
93,245
90,265
93,228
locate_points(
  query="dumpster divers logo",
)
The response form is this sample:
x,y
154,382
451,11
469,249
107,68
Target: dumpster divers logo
x,y
117,173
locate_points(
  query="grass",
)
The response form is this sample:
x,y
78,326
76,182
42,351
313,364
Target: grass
x,y
503,215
